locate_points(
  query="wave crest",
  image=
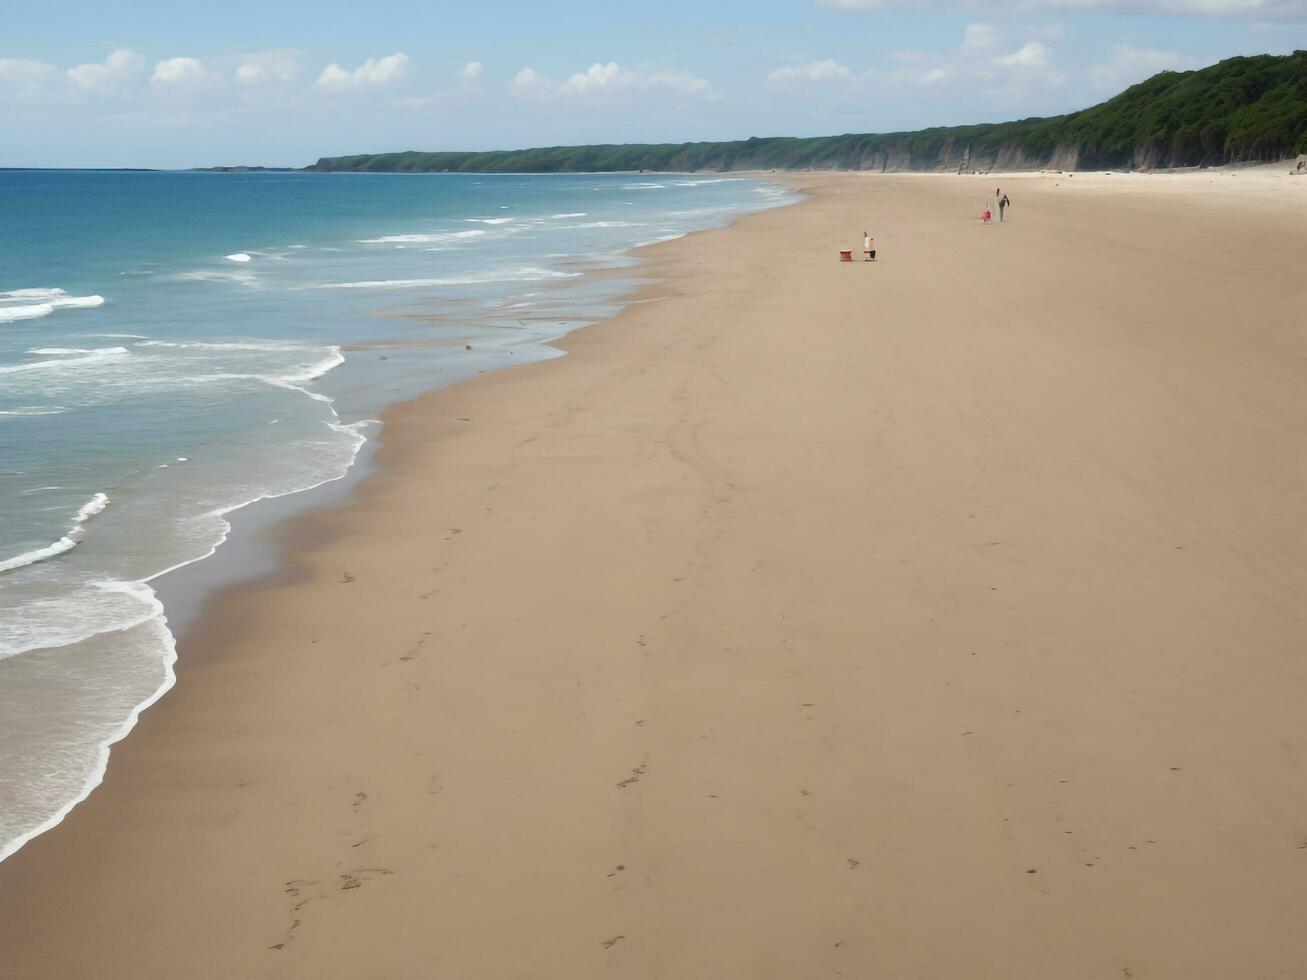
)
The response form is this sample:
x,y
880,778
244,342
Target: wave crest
x,y
32,304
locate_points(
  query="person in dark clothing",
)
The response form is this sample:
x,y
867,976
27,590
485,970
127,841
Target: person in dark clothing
x,y
1003,204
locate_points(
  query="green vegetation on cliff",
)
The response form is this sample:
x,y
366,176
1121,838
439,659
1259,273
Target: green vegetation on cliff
x,y
1241,110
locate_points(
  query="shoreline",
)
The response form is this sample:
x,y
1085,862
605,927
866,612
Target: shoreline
x,y
258,528
556,702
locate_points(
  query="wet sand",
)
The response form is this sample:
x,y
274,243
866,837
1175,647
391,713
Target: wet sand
x,y
939,617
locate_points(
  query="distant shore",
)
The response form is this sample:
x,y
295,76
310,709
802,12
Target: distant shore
x,y
935,617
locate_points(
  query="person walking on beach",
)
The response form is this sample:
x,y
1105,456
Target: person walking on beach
x,y
869,246
1003,204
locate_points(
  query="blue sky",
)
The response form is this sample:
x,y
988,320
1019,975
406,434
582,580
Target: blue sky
x,y
281,82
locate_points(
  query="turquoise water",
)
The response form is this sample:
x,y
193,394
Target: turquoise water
x,y
176,346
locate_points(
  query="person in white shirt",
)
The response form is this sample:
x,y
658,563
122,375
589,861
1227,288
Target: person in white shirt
x,y
869,246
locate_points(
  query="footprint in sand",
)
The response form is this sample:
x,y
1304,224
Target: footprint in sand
x,y
355,879
636,773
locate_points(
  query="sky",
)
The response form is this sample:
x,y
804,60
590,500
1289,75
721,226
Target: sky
x,y
170,83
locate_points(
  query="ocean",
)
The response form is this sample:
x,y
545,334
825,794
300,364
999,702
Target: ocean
x,y
175,347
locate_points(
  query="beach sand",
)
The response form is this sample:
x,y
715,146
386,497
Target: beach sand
x,y
941,617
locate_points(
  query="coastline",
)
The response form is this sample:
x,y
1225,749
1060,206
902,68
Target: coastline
x,y
263,771
589,285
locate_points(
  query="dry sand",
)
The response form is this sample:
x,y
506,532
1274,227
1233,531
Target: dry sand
x,y
936,618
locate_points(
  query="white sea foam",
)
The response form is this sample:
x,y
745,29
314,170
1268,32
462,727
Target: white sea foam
x,y
157,625
270,345
670,237
238,257
488,221
32,304
64,362
523,274
447,236
645,186
242,277
310,372
92,507
66,543
570,214
606,224
25,410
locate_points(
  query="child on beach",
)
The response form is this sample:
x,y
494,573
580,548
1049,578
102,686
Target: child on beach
x,y
986,215
869,246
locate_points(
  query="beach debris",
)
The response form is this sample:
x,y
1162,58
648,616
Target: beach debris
x,y
616,871
467,347
610,943
1032,871
853,863
346,578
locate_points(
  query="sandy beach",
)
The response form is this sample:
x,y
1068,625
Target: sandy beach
x,y
934,618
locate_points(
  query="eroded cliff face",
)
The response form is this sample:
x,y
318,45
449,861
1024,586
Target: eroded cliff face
x,y
954,157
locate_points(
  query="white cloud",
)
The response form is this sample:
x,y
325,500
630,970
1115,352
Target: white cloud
x,y
182,73
373,72
976,65
471,70
677,81
598,77
816,71
1260,10
612,78
1130,65
117,70
23,74
264,67
529,82
1032,54
979,36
